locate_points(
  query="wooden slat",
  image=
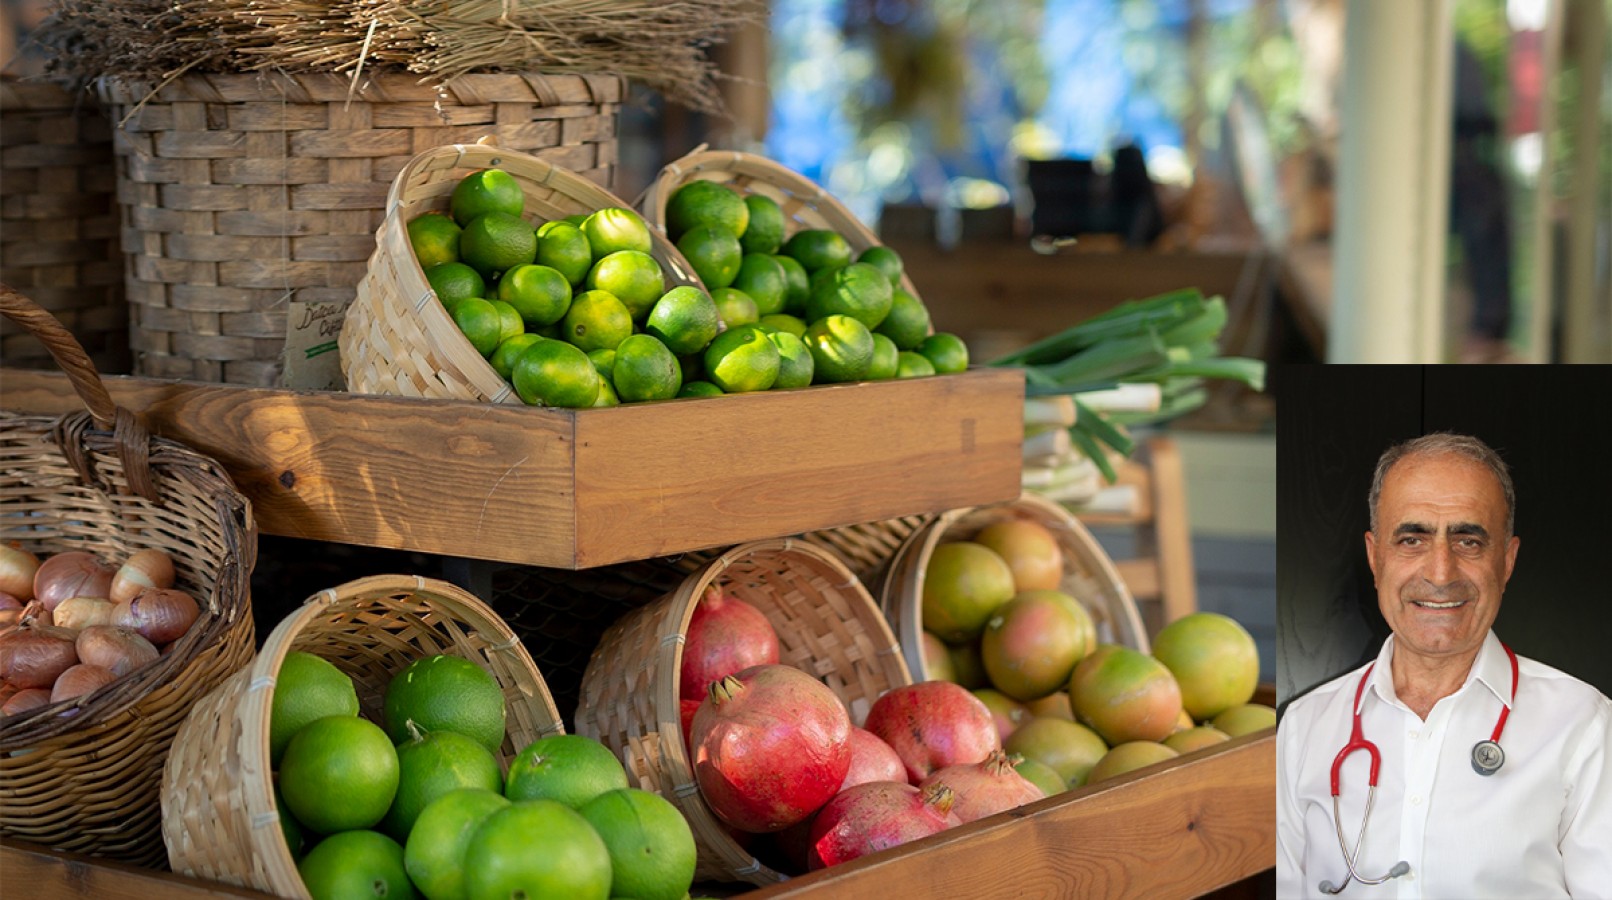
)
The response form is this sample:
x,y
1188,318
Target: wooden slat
x,y
42,874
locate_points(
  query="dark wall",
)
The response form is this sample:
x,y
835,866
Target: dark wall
x,y
1552,425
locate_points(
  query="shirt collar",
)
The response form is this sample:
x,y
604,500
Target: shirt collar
x,y
1491,668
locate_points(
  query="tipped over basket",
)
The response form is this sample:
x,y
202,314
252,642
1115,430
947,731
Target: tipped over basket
x,y
827,624
218,812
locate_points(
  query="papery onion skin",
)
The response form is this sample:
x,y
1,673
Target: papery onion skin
x,y
25,700
80,680
33,656
145,569
74,573
160,616
17,568
117,649
79,613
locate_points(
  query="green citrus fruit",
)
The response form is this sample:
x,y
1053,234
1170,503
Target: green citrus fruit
x,y
435,239
487,191
597,320
857,290
886,359
576,218
432,765
454,282
509,322
908,321
289,829
503,358
693,366
562,246
356,864
448,693
1245,719
339,773
794,361
651,848
1068,748
885,260
536,850
434,854
635,278
842,349
762,277
714,253
607,395
539,293
964,583
481,322
742,359
567,768
946,351
604,362
645,370
1041,775
816,248
1213,658
786,323
705,203
307,687
797,284
913,365
685,319
497,241
765,232
735,307
700,389
613,229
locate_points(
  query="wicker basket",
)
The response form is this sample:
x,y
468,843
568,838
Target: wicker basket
x,y
398,339
96,481
827,626
59,223
1089,575
242,194
218,813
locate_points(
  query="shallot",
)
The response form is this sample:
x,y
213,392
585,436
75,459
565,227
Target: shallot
x,y
33,655
79,613
159,615
75,573
80,680
118,650
145,569
17,568
25,700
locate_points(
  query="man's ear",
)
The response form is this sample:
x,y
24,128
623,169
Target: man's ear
x,y
1371,556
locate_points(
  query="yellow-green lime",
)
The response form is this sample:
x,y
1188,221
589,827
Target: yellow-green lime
x,y
454,282
762,277
700,389
635,278
645,370
742,359
432,765
946,351
308,687
786,323
614,228
705,203
503,358
435,239
562,246
714,253
487,191
607,394
356,864
339,773
842,349
577,218
555,373
289,829
509,321
817,248
911,364
481,322
908,321
685,319
567,768
604,361
857,290
886,359
794,361
448,693
434,854
885,260
765,232
797,284
597,320
735,307
497,241
651,848
536,850
540,293
1041,775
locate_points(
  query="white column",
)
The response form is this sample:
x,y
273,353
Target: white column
x,y
1393,183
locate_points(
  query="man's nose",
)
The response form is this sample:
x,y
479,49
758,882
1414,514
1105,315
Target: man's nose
x,y
1440,569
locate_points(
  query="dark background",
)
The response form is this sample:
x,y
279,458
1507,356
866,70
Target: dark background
x,y
1553,427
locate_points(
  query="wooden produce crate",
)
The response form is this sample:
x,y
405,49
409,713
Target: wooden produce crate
x,y
575,489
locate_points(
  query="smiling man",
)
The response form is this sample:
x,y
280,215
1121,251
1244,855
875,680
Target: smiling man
x,y
1492,772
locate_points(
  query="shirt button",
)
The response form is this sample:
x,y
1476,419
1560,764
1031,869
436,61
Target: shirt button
x,y
1416,800
1414,734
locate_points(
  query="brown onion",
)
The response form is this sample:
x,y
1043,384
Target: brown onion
x,y
33,655
80,680
158,615
25,700
17,568
10,611
118,649
75,573
145,569
79,613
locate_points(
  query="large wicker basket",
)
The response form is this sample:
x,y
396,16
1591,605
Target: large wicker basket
x,y
1089,575
218,812
96,481
398,338
827,625
243,194
59,222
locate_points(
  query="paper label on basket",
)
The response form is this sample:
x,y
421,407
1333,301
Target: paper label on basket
x,y
312,362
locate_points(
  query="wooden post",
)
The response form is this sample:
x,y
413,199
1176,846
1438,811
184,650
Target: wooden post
x,y
1587,336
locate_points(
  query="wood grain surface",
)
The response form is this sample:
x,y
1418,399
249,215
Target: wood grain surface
x,y
40,874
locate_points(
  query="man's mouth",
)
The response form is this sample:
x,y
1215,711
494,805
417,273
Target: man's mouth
x,y
1450,604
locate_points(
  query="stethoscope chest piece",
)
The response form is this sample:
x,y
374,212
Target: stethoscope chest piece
x,y
1487,757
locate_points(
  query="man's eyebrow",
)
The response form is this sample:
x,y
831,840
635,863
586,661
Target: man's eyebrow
x,y
1412,528
1419,528
1471,528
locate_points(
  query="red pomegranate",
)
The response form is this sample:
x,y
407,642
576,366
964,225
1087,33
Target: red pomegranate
x,y
871,760
877,816
932,725
985,788
725,634
771,745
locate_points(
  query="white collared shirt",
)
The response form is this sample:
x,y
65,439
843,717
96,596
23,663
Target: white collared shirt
x,y
1540,827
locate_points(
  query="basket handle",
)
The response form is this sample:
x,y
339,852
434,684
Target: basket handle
x,y
130,436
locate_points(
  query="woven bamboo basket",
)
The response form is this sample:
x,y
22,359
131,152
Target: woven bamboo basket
x,y
84,775
398,338
1089,575
59,223
827,625
218,813
242,194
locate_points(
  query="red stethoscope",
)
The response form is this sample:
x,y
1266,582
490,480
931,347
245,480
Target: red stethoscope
x,y
1487,758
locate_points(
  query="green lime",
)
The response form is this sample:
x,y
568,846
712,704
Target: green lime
x,y
497,241
651,848
487,191
539,293
597,320
1041,775
635,278
555,373
645,370
454,282
604,362
857,290
481,322
714,253
448,693
700,389
613,229
911,364
509,322
685,319
567,768
503,358
576,218
735,307
356,864
842,349
536,850
742,359
306,688
762,277
435,239
339,773
794,361
946,351
434,854
765,233
797,284
289,829
607,395
908,321
786,323
886,359
885,260
432,765
562,246
816,248
693,366
705,203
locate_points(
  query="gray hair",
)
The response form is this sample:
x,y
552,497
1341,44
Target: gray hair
x,y
1445,443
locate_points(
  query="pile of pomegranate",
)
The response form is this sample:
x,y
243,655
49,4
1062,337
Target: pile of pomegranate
x,y
778,759
72,623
